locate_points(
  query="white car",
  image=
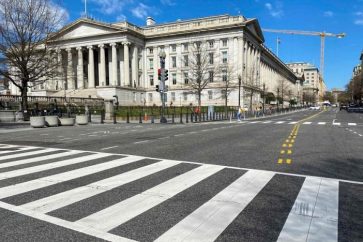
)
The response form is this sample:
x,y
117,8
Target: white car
x,y
314,108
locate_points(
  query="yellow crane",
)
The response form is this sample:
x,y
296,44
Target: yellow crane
x,y
311,33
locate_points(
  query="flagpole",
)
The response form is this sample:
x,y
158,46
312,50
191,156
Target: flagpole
x,y
277,46
85,8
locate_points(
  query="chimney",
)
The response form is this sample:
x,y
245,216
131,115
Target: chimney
x,y
150,21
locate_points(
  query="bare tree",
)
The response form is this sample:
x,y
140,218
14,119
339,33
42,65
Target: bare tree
x,y
229,83
284,90
251,84
201,68
25,28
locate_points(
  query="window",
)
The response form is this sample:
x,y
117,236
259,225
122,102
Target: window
x,y
185,47
134,96
224,57
173,48
174,78
185,96
211,58
173,61
151,50
224,43
211,76
211,44
224,75
150,97
151,79
173,96
186,60
210,95
151,63
186,79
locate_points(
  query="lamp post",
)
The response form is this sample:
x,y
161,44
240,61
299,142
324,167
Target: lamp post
x,y
239,90
162,56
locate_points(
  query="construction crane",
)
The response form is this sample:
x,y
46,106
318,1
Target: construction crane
x,y
311,33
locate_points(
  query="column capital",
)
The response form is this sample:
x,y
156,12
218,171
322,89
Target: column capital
x,y
68,49
79,48
101,46
58,50
113,44
90,47
126,43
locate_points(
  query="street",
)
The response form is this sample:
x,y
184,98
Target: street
x,y
292,177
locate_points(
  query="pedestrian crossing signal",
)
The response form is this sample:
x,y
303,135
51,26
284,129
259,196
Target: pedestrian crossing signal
x,y
157,88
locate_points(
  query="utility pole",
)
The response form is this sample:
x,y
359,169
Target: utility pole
x,y
162,88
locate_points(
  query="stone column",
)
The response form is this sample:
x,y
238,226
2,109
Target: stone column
x,y
135,66
91,68
102,71
70,77
113,81
61,81
80,77
121,64
126,63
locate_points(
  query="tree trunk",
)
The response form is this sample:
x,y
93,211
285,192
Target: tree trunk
x,y
24,103
225,103
199,104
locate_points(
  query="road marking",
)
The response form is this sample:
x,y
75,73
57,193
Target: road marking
x,y
289,152
122,212
65,224
177,135
280,161
44,134
292,141
282,152
211,219
290,145
288,161
314,216
321,123
293,122
267,122
36,159
108,148
337,124
307,123
141,142
284,145
66,198
16,150
33,169
352,124
5,157
280,122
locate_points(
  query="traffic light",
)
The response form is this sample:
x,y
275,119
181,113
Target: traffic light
x,y
157,88
159,74
166,74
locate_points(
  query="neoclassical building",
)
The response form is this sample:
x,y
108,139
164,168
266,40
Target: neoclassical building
x,y
103,60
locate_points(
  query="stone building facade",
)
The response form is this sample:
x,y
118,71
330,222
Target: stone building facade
x,y
122,59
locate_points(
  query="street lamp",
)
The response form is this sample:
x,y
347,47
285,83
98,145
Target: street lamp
x,y
162,56
239,90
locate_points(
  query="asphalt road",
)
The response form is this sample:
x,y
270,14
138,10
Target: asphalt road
x,y
303,167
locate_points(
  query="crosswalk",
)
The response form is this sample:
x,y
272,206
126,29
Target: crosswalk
x,y
120,197
288,122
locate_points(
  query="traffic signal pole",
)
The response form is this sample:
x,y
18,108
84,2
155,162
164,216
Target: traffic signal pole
x,y
162,86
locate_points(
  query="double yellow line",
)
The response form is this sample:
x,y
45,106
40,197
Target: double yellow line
x,y
287,146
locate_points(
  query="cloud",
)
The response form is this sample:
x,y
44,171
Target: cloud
x,y
121,18
275,10
141,11
110,6
328,14
358,22
359,14
168,2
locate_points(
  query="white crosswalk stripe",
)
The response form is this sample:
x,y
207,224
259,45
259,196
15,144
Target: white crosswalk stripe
x,y
313,217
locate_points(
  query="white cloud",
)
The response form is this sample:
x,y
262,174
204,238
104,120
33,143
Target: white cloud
x,y
275,10
359,13
328,14
110,6
168,2
141,11
121,18
358,22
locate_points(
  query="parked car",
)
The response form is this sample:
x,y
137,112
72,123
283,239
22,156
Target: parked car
x,y
314,108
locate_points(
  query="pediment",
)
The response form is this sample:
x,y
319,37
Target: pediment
x,y
83,29
254,28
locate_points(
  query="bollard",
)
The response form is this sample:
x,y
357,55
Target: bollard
x,y
140,119
214,116
196,117
181,117
114,118
172,118
186,117
89,117
203,117
127,117
152,119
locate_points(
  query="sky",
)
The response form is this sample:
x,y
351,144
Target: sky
x,y
332,16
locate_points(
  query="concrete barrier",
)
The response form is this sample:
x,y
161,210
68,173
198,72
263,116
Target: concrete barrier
x,y
66,121
7,115
81,119
51,121
37,122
